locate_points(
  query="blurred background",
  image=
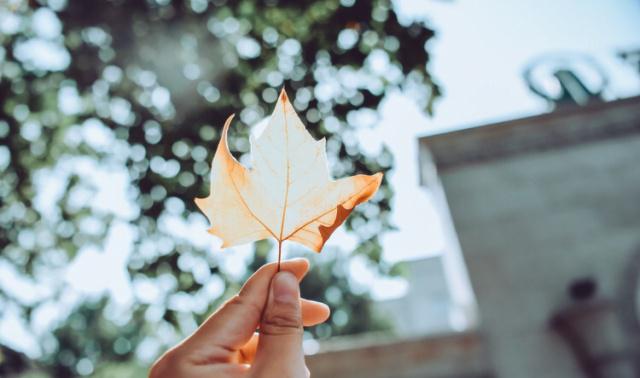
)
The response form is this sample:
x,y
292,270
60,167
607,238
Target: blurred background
x,y
504,241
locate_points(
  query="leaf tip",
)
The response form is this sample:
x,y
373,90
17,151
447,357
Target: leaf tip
x,y
227,123
201,203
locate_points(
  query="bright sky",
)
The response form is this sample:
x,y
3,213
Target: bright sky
x,y
478,56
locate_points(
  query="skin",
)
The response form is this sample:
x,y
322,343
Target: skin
x,y
226,344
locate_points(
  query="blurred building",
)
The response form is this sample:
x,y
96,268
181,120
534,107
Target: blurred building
x,y
428,294
547,212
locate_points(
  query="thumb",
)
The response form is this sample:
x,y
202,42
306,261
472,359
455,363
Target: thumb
x,y
279,351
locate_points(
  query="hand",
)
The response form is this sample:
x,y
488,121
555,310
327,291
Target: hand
x,y
226,344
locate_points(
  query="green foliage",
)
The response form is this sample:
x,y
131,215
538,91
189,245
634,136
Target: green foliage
x,y
159,78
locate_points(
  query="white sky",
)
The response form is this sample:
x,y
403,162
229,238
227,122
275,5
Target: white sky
x,y
478,56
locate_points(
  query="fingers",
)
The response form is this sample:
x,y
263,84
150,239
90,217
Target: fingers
x,y
279,351
283,314
257,285
232,325
313,312
174,364
248,351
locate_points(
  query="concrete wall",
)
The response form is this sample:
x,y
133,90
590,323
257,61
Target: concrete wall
x,y
454,355
538,214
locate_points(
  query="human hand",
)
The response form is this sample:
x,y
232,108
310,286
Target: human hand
x,y
226,344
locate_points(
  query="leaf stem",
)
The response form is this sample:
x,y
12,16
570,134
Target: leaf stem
x,y
279,253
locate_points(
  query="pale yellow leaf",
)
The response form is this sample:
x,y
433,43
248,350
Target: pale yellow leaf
x,y
287,194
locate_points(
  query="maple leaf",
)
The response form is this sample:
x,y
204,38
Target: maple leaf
x,y
287,194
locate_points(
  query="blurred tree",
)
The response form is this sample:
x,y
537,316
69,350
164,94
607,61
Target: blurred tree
x,y
89,89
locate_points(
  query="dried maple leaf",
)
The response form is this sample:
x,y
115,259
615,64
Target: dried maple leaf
x,y
287,194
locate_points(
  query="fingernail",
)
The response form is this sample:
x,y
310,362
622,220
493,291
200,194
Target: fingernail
x,y
285,287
